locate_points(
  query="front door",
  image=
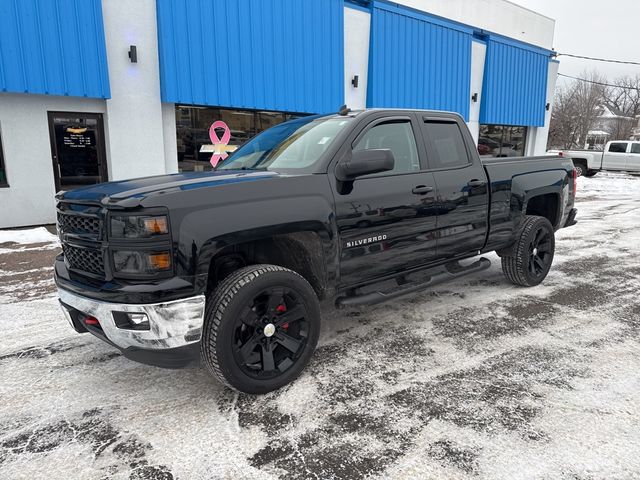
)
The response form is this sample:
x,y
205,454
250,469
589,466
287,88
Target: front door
x,y
77,149
387,221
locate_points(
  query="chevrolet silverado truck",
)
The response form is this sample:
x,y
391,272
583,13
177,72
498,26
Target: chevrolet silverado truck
x,y
618,155
228,269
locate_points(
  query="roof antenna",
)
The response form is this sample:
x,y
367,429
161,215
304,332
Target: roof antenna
x,y
344,111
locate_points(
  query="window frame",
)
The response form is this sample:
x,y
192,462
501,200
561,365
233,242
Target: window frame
x,y
3,165
390,119
635,144
432,150
619,143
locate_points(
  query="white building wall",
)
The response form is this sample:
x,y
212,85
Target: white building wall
x,y
134,121
357,25
498,16
478,54
537,137
24,126
170,137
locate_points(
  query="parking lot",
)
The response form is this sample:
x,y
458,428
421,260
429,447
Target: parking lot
x,y
472,379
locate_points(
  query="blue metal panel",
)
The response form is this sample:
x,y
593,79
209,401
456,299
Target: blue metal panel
x,y
285,55
418,61
515,84
53,47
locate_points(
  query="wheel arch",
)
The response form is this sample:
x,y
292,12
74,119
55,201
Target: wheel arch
x,y
306,252
582,161
544,204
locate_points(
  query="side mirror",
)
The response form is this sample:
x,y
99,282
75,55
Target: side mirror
x,y
365,162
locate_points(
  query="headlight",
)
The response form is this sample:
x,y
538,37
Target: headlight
x,y
133,262
138,226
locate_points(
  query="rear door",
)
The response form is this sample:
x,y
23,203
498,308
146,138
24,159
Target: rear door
x,y
633,158
461,181
615,158
386,221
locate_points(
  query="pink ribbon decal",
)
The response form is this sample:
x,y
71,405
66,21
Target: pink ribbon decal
x,y
219,144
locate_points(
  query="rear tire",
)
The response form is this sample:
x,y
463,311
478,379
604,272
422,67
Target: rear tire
x,y
530,259
261,327
581,168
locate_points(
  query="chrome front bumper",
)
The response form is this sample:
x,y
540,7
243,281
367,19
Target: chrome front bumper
x,y
171,324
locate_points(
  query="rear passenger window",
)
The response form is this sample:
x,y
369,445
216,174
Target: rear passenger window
x,y
618,147
448,145
635,148
397,137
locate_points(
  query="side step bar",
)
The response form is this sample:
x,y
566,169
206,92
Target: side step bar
x,y
451,271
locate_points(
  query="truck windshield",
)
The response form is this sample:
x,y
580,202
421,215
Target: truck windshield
x,y
293,145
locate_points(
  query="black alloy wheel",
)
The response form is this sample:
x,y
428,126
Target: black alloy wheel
x,y
261,327
528,261
271,333
540,253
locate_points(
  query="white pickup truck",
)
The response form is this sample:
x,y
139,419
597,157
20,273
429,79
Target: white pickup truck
x,y
618,155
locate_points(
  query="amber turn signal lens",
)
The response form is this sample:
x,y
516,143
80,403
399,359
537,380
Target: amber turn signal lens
x,y
160,261
156,225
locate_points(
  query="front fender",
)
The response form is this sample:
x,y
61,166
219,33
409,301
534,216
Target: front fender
x,y
204,232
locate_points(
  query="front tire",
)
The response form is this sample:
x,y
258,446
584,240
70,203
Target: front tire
x,y
530,259
261,327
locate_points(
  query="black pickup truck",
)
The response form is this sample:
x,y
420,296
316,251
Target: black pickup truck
x,y
228,267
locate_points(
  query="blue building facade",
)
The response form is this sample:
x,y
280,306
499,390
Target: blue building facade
x,y
180,65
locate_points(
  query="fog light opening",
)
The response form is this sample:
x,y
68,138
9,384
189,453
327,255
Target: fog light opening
x,y
131,320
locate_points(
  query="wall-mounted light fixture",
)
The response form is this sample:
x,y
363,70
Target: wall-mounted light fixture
x,y
133,53
354,81
547,107
474,97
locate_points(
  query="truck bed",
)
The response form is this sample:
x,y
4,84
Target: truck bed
x,y
511,179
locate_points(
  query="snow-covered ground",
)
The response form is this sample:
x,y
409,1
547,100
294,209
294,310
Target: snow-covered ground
x,y
472,379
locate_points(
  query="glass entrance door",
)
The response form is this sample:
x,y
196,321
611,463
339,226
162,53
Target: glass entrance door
x,y
77,147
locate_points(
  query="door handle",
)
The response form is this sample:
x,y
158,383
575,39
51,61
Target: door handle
x,y
476,183
422,189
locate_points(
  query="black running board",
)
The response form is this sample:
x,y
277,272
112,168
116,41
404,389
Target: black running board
x,y
451,271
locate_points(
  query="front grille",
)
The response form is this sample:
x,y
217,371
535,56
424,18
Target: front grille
x,y
79,224
84,259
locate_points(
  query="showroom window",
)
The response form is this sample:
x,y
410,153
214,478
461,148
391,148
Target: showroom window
x,y
501,141
192,124
3,172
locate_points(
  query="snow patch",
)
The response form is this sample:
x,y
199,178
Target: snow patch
x,y
27,236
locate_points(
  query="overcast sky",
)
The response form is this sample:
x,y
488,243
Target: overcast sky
x,y
595,28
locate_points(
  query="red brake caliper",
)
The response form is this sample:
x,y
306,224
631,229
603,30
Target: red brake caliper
x,y
281,309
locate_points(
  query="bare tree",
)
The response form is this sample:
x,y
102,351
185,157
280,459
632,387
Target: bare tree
x,y
562,129
575,111
624,100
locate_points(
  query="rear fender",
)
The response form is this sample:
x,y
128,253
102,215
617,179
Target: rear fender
x,y
530,185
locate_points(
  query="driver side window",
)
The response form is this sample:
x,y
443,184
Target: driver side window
x,y
398,137
618,148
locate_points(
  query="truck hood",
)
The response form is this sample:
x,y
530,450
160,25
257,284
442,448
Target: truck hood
x,y
131,192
